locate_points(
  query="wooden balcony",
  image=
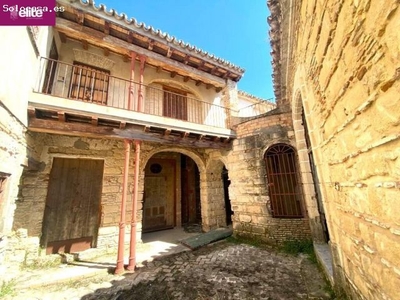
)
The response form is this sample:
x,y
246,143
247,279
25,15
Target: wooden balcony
x,y
80,100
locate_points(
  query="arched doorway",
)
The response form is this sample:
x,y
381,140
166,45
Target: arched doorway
x,y
283,181
171,192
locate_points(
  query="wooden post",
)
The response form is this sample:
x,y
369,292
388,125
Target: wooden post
x,y
132,82
132,250
121,238
140,94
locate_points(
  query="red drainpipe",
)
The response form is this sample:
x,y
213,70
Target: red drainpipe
x,y
132,252
120,259
142,59
132,80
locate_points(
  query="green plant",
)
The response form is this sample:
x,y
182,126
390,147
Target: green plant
x,y
295,247
7,288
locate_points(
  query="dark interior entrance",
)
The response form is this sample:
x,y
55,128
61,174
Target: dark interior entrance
x,y
72,213
228,207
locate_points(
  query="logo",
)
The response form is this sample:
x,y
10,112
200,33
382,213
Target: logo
x,y
37,12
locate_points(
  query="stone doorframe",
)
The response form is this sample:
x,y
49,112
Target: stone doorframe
x,y
300,101
204,186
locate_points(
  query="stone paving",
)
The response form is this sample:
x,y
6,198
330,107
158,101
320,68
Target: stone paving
x,y
220,271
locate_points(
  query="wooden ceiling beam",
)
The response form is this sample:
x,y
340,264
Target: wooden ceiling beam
x,y
169,52
151,44
122,125
198,82
132,132
185,135
167,132
106,28
173,74
95,121
63,37
159,69
85,45
117,45
106,52
61,116
186,78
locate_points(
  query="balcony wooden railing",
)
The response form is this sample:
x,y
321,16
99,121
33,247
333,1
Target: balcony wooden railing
x,y
87,84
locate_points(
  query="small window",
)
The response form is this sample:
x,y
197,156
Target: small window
x,y
175,103
283,182
89,84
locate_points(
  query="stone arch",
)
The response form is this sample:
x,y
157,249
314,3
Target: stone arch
x,y
300,106
192,154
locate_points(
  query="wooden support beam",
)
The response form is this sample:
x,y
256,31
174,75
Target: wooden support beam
x,y
159,69
106,27
186,60
61,116
151,45
186,79
201,136
106,52
146,129
122,125
185,135
80,16
167,132
127,58
173,74
169,52
117,45
31,112
216,139
214,70
198,82
85,45
130,37
208,86
218,89
63,37
227,140
132,132
226,75
95,121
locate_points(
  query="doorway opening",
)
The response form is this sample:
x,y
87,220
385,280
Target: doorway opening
x,y
72,214
171,192
228,206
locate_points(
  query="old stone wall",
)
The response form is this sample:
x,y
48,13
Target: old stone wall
x,y
34,183
347,78
247,172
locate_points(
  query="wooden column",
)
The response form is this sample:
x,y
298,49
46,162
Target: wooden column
x,y
131,98
132,250
142,59
121,238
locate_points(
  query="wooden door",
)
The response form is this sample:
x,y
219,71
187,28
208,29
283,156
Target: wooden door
x,y
72,214
159,195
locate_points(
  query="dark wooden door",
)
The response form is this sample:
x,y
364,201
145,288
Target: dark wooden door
x,y
159,194
72,214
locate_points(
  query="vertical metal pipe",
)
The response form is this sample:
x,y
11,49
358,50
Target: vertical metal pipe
x,y
132,80
132,250
121,238
140,94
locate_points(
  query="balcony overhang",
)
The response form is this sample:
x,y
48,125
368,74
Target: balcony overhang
x,y
56,115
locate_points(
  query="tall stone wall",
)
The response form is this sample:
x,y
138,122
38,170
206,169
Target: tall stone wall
x,y
247,172
347,78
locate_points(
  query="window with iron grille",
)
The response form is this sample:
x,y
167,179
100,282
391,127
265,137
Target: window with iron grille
x,y
175,103
89,84
284,186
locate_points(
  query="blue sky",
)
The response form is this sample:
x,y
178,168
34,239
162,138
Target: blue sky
x,y
235,30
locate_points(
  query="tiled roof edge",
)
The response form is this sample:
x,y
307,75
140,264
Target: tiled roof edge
x,y
159,33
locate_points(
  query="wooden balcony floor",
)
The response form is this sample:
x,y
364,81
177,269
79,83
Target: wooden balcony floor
x,y
53,117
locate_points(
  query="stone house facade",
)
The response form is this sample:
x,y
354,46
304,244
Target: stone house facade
x,y
114,117
336,69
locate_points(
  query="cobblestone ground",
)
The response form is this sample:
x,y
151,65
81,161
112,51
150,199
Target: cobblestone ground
x,y
221,271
